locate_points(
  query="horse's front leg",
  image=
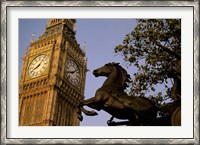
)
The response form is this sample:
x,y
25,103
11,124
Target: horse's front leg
x,y
89,102
86,112
89,113
94,102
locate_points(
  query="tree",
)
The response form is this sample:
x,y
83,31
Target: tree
x,y
154,48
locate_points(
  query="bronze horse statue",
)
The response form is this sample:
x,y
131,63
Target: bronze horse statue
x,y
112,98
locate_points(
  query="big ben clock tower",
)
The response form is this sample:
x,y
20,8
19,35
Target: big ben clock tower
x,y
53,77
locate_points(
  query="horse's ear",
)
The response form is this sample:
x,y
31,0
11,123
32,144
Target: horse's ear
x,y
114,63
117,63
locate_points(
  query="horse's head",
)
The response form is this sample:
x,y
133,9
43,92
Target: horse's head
x,y
120,77
105,70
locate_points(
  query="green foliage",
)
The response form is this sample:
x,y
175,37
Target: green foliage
x,y
152,47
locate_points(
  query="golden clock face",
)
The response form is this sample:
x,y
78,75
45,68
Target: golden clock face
x,y
72,72
38,65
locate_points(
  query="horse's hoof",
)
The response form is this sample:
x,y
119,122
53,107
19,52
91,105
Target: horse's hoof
x,y
80,117
93,113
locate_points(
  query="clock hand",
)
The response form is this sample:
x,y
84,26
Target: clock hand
x,y
71,72
76,70
38,65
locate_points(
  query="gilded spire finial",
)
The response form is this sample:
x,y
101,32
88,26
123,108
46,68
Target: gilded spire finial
x,y
32,37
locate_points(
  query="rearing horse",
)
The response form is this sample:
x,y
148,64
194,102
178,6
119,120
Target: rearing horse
x,y
111,98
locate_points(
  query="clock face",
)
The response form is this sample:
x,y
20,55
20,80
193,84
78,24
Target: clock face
x,y
72,72
38,66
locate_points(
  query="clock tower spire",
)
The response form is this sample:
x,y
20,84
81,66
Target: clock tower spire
x,y
53,75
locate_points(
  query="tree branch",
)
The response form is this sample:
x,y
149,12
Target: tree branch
x,y
169,51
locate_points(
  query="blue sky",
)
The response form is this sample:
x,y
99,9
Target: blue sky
x,y
101,36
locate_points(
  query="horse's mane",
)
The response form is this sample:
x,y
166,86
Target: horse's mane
x,y
125,77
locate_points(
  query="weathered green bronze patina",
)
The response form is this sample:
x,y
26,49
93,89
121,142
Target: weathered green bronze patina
x,y
112,98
